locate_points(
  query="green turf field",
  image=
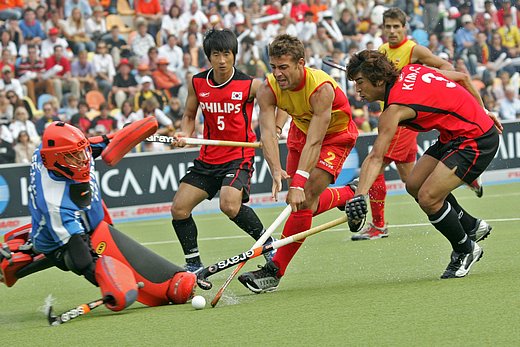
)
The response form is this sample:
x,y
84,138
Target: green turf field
x,y
336,292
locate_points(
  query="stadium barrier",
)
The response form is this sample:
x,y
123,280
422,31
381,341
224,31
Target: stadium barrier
x,y
142,185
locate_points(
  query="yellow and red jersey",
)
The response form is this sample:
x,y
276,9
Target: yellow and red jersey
x,y
400,55
297,102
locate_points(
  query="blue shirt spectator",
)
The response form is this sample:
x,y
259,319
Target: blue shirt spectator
x,y
466,36
83,6
30,26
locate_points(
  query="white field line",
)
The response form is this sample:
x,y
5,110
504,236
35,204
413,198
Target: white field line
x,y
217,216
415,225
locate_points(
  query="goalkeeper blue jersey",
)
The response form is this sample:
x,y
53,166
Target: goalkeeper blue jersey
x,y
55,215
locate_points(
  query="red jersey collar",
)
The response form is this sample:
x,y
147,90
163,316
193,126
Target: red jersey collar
x,y
400,44
302,83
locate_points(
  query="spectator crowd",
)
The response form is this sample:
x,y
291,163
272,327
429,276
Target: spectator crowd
x,y
101,64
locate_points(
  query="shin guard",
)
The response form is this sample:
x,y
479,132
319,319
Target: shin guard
x,y
116,281
17,258
154,271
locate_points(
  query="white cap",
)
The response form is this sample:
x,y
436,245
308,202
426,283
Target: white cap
x,y
466,19
146,79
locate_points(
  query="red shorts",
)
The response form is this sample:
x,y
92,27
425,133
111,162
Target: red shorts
x,y
403,148
334,150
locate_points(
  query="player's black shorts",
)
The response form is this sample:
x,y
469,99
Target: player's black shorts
x,y
470,156
210,178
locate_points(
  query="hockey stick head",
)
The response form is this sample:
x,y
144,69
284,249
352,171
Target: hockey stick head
x,y
202,279
331,63
52,318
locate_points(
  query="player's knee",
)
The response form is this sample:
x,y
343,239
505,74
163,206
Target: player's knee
x,y
229,208
428,202
179,212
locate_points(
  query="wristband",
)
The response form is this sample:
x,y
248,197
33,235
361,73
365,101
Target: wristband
x,y
299,179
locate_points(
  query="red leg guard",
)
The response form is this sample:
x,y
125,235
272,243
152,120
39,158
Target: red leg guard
x,y
182,287
9,267
19,233
117,281
154,271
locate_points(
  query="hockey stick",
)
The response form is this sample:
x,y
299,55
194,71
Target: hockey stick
x,y
285,213
199,142
202,277
74,312
329,62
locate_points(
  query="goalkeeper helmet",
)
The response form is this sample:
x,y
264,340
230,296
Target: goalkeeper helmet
x,y
66,150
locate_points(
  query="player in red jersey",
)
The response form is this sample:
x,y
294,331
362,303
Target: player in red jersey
x,y
403,148
225,96
423,99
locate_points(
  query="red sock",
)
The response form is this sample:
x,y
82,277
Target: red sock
x,y
377,195
297,222
333,197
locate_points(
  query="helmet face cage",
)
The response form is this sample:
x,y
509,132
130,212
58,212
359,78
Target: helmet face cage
x,y
76,163
66,151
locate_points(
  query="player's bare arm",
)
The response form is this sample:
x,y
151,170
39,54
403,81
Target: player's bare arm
x,y
267,120
321,103
465,81
281,119
254,89
422,55
388,123
188,118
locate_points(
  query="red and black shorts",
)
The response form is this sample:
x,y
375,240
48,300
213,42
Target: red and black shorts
x,y
470,157
210,178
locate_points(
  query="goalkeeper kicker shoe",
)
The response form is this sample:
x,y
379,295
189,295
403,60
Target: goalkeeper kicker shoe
x,y
461,263
481,231
263,280
370,232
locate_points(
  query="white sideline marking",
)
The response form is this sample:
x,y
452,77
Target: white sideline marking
x,y
416,225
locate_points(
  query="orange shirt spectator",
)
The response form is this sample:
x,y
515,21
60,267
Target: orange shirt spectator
x,y
148,7
9,4
165,79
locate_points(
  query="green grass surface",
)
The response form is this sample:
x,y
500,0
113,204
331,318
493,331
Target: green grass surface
x,y
336,292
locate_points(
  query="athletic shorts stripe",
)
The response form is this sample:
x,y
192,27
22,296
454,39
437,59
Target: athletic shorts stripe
x,y
210,178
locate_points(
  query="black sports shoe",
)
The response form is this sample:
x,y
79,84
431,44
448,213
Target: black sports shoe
x,y
263,280
461,263
480,231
